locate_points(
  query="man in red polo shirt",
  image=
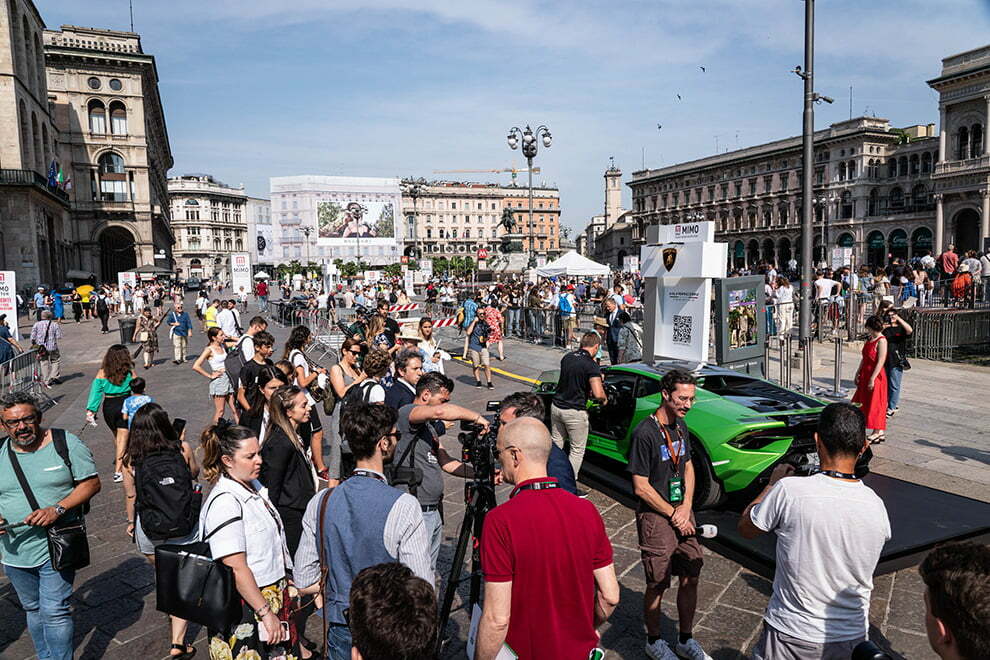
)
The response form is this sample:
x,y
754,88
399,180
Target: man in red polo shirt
x,y
549,578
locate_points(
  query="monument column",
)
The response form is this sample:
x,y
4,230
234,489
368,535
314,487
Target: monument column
x,y
939,225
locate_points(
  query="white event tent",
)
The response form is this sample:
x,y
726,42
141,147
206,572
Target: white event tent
x,y
573,263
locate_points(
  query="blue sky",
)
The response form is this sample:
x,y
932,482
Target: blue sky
x,y
261,88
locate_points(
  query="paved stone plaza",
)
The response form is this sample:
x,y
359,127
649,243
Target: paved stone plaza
x,y
936,439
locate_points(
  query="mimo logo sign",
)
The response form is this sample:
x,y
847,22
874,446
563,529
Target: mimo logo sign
x,y
682,231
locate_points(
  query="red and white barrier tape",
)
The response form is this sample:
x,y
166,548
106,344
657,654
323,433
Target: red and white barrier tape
x,y
404,308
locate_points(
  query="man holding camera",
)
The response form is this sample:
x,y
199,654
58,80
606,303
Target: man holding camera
x,y
830,529
420,458
663,480
549,578
580,379
527,404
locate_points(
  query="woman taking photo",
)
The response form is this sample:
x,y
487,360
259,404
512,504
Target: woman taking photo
x,y
152,432
258,395
146,332
245,532
871,381
220,389
896,330
430,346
343,375
111,386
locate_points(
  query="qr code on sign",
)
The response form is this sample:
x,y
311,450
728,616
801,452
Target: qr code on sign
x,y
682,329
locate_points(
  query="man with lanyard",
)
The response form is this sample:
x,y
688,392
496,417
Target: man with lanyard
x,y
470,311
364,522
419,446
663,480
543,544
181,329
830,528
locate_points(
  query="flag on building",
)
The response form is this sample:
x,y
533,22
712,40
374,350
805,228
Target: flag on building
x,y
52,175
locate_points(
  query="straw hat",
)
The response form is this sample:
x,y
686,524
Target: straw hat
x,y
409,333
600,320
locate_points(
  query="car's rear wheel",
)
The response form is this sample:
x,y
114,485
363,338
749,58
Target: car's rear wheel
x,y
708,490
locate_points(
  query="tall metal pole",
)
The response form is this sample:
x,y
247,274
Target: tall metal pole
x,y
532,246
807,208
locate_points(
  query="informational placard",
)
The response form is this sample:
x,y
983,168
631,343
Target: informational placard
x,y
372,275
240,271
740,323
126,278
408,281
630,263
426,265
8,298
841,256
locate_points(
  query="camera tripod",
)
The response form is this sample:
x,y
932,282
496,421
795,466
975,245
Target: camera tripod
x,y
480,500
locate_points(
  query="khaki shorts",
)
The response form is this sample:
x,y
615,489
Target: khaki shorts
x,y
569,323
665,551
480,358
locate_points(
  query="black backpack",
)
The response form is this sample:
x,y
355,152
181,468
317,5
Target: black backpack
x,y
355,395
234,362
102,307
168,505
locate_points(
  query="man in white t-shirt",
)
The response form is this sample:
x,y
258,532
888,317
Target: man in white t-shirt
x,y
227,319
825,288
830,530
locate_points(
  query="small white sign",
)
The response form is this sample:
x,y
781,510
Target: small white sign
x,y
126,278
630,263
240,271
687,232
8,298
408,281
841,256
426,265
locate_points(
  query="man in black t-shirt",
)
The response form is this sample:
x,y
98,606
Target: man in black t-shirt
x,y
663,480
264,346
580,379
392,329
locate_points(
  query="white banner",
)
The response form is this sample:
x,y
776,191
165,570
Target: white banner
x,y
630,263
426,265
8,298
126,278
240,272
408,281
372,275
841,256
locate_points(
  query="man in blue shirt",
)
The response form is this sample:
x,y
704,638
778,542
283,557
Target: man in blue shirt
x,y
181,329
527,404
39,302
470,311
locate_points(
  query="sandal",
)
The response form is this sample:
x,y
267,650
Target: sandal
x,y
186,651
877,438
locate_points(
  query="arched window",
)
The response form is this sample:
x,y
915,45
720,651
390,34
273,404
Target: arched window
x,y
873,204
896,199
118,118
926,163
915,164
113,178
919,196
39,156
962,144
45,144
975,141
239,245
97,117
847,205
891,168
26,144
851,169
29,70
228,245
842,171
902,166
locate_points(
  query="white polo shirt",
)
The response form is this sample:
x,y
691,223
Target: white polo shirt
x,y
267,555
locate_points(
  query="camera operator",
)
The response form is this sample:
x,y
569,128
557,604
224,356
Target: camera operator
x,y
830,529
547,561
663,480
957,600
420,459
527,404
580,379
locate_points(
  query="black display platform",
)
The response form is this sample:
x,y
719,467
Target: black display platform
x,y
920,518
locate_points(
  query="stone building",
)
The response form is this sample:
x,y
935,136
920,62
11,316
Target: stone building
x,y
209,223
114,146
546,218
36,235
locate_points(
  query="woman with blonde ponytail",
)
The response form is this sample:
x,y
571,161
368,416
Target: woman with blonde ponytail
x,y
237,509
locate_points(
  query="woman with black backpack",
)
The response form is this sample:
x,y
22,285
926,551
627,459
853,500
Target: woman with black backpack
x,y
162,497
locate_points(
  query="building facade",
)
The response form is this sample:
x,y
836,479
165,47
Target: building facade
x,y
259,232
312,222
209,223
452,218
114,145
36,234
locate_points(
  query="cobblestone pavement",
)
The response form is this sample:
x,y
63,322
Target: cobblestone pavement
x,y
114,601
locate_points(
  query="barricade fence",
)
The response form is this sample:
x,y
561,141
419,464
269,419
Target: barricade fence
x,y
23,373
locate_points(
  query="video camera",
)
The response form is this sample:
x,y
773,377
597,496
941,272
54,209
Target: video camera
x,y
356,330
479,446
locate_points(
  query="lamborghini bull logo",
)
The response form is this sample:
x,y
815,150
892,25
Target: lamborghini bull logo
x,y
669,257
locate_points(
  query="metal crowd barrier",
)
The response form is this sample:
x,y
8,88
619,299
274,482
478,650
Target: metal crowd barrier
x,y
939,333
23,373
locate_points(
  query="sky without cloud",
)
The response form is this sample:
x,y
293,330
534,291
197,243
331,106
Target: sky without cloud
x,y
260,88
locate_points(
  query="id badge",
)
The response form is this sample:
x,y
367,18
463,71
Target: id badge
x,y
675,490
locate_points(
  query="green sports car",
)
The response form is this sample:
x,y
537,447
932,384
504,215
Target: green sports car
x,y
741,426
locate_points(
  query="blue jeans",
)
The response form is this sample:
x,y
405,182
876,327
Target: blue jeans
x,y
339,643
434,529
44,594
513,323
894,376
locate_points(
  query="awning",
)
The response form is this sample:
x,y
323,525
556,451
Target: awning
x,y
79,275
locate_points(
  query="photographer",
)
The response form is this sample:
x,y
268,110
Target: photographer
x,y
546,558
830,529
957,600
527,404
420,459
897,331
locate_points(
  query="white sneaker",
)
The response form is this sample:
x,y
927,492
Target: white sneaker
x,y
659,650
118,477
691,650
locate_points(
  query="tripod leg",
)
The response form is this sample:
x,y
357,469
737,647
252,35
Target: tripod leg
x,y
455,571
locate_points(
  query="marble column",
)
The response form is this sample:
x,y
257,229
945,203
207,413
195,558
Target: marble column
x,y
939,226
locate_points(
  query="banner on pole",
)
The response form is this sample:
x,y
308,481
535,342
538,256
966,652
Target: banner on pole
x,y
240,272
8,298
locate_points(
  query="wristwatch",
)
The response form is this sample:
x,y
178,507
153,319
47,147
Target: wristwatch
x,y
59,510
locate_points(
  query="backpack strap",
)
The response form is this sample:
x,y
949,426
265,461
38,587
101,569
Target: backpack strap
x,y
324,564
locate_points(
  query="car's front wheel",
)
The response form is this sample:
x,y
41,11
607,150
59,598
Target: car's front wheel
x,y
707,488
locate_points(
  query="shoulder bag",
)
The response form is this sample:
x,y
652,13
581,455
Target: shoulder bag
x,y
41,348
68,547
191,585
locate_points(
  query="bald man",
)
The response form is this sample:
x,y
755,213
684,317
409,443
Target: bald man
x,y
568,558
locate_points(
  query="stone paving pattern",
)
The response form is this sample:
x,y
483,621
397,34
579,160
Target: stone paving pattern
x,y
114,601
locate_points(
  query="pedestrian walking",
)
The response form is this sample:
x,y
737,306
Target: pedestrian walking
x,y
46,476
871,380
44,338
111,386
103,311
159,474
135,401
478,333
8,345
76,301
580,379
146,332
180,329
256,416
58,305
492,315
221,390
246,533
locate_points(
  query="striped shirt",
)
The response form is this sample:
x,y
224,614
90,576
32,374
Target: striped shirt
x,y
54,333
404,537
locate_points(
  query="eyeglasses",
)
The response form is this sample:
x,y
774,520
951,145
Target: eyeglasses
x,y
14,423
357,352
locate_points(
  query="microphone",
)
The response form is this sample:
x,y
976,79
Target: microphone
x,y
706,531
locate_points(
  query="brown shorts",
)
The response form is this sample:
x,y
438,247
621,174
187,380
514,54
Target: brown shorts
x,y
665,551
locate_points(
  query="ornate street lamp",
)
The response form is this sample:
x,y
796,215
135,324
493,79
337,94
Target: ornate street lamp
x,y
414,188
530,147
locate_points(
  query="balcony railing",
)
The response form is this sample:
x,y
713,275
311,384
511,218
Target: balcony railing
x,y
970,164
31,178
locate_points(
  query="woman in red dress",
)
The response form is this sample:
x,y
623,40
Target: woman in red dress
x,y
871,381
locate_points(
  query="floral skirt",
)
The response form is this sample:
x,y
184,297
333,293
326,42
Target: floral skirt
x,y
240,641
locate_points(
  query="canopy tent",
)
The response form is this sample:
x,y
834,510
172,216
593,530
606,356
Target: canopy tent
x,y
261,275
149,269
573,263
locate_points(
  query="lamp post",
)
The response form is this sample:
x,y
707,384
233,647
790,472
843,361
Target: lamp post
x,y
306,232
825,201
530,147
414,188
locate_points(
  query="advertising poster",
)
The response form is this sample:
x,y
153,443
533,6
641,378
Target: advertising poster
x,y
630,263
408,280
126,278
347,222
742,318
240,271
8,298
426,265
684,324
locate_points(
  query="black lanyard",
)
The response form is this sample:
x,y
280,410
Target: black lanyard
x,y
839,475
536,485
368,473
